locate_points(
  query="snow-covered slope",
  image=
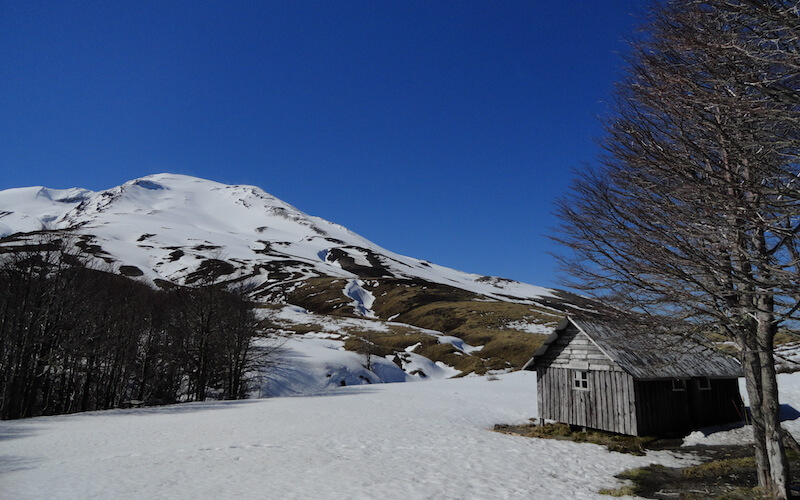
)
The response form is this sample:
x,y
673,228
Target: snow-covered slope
x,y
166,226
316,361
35,208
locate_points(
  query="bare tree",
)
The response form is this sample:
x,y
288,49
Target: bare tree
x,y
44,286
76,338
215,327
692,216
239,331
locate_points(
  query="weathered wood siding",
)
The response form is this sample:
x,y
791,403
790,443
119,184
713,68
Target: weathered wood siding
x,y
660,409
609,401
573,349
607,404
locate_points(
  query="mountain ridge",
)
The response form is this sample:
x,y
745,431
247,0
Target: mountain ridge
x,y
143,222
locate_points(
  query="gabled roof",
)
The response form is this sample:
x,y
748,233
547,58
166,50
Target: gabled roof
x,y
649,356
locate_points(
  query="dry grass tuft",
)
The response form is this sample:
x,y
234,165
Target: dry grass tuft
x,y
634,445
623,491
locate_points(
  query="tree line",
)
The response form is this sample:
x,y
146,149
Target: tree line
x,y
74,338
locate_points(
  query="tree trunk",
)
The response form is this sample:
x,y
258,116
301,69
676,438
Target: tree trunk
x,y
776,453
771,463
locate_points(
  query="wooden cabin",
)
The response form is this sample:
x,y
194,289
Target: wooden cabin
x,y
592,374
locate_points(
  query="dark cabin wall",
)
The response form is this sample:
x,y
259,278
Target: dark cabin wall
x,y
721,405
660,409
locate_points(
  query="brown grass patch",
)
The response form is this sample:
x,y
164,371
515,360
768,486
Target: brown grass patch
x,y
323,296
634,445
485,324
443,308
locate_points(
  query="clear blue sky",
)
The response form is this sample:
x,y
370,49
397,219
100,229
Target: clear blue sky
x,y
438,129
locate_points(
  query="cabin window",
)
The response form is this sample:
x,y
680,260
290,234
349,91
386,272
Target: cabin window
x,y
678,384
582,380
704,384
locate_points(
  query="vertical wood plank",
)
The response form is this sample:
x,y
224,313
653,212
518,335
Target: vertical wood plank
x,y
597,399
621,402
627,414
609,400
634,420
539,392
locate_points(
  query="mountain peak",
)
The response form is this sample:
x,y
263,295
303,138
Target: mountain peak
x,y
170,226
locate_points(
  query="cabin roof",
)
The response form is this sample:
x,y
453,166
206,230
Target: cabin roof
x,y
649,356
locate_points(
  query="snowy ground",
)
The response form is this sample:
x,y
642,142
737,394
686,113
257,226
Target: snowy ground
x,y
789,388
414,440
391,441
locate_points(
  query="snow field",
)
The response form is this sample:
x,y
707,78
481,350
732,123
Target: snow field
x,y
390,441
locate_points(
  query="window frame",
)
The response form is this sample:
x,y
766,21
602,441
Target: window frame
x,y
704,384
581,380
679,385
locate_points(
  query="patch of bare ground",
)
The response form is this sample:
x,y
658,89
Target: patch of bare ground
x,y
614,442
725,472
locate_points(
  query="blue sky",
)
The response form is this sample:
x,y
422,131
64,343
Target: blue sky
x,y
441,130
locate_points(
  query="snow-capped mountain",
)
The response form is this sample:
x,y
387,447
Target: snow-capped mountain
x,y
173,227
318,285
